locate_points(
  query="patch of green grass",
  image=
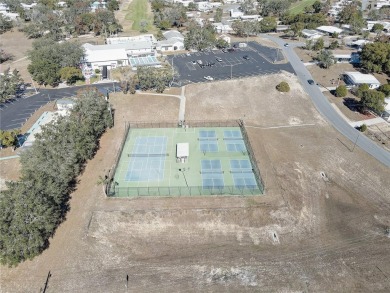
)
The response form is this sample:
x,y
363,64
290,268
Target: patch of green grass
x,y
138,11
299,6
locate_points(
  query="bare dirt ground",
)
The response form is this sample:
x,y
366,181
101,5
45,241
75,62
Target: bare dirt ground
x,y
308,233
15,43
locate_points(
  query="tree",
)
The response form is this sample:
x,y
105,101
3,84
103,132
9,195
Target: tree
x,y
375,57
33,207
5,24
325,58
363,128
154,78
8,137
244,28
283,87
317,6
341,91
10,83
333,45
144,26
113,5
297,28
48,57
192,6
200,38
374,100
267,24
319,45
385,88
71,74
275,7
218,15
377,28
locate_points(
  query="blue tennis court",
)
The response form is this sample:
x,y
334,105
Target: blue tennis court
x,y
235,146
242,174
212,174
232,134
147,159
207,134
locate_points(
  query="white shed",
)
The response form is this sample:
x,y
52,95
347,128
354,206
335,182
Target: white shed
x,y
182,151
355,78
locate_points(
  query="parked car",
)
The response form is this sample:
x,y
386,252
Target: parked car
x,y
231,50
208,77
286,45
218,59
194,62
224,50
188,54
199,62
311,82
246,57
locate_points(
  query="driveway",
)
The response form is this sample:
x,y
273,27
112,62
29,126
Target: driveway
x,y
15,113
324,107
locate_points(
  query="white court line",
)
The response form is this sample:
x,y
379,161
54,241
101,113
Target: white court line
x,y
282,126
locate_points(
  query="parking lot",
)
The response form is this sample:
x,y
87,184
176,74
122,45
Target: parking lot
x,y
259,60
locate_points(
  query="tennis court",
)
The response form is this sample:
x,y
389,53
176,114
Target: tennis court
x,y
217,164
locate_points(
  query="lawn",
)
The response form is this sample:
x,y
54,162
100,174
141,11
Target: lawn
x,y
139,11
299,6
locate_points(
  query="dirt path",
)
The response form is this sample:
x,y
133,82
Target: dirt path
x,y
121,16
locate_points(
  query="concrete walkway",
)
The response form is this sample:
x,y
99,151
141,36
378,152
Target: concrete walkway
x,y
181,97
9,157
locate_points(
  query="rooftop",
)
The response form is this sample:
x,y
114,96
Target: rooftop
x,y
360,78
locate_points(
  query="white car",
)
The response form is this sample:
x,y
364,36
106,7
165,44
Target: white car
x,y
188,54
208,77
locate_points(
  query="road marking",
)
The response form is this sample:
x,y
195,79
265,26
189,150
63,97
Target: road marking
x,y
282,126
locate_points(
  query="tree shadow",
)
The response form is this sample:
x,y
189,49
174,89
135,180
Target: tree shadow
x,y
352,104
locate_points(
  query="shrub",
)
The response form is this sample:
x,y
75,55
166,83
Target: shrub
x,y
341,91
283,87
363,128
97,70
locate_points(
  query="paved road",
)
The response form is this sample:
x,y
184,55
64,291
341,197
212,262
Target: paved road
x,y
324,107
15,113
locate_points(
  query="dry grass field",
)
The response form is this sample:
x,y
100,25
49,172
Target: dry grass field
x,y
308,233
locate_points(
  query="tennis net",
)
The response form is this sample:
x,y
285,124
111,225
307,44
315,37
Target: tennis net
x,y
147,155
207,138
212,172
241,171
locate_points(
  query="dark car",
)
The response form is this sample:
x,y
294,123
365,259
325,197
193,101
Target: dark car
x,y
246,57
286,44
310,81
231,50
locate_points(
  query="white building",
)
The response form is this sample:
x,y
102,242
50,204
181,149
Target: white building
x,y
311,34
4,7
64,106
11,15
236,13
221,28
380,3
345,56
251,17
28,6
174,40
354,78
329,29
386,114
98,5
111,56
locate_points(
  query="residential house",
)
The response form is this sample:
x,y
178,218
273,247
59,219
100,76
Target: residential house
x,y
174,40
355,78
326,29
345,56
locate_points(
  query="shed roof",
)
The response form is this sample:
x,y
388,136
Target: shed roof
x,y
182,149
329,29
360,78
